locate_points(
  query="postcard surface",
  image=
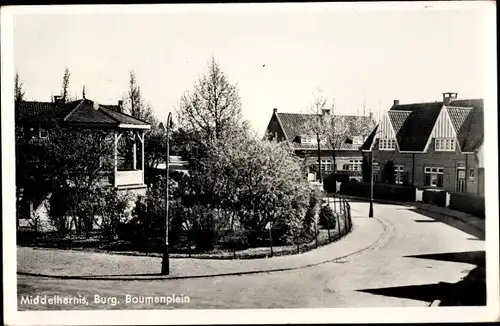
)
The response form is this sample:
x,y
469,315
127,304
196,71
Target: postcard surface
x,y
250,163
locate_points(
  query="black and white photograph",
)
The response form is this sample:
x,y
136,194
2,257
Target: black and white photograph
x,y
250,163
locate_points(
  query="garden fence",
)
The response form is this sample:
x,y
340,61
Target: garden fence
x,y
268,247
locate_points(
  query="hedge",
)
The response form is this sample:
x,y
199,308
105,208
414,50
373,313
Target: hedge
x,y
468,203
380,191
434,197
329,182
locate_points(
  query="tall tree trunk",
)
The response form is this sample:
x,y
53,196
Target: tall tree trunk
x,y
319,158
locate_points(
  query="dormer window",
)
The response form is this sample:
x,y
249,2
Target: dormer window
x,y
311,140
387,144
444,145
306,140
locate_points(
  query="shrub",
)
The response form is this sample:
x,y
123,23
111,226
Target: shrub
x,y
310,216
234,240
380,191
434,197
468,203
327,217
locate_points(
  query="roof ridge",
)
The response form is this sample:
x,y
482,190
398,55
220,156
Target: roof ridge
x,y
127,115
415,103
107,114
405,111
460,107
73,110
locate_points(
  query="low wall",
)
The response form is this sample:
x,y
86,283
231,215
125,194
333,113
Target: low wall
x,y
468,203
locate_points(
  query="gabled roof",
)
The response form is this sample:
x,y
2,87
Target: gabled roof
x,y
417,128
86,113
398,117
471,134
293,123
368,142
413,124
293,127
27,108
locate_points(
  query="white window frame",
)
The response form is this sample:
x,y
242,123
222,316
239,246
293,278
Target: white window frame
x,y
387,144
306,140
40,130
434,171
398,173
311,140
326,165
445,144
472,173
355,165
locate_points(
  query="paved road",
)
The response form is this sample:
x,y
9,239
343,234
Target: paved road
x,y
385,276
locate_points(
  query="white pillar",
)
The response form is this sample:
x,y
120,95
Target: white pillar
x,y
134,165
116,158
142,153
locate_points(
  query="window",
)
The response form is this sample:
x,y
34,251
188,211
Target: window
x,y
311,140
387,144
355,165
444,145
345,167
433,176
400,176
326,165
42,133
471,173
306,140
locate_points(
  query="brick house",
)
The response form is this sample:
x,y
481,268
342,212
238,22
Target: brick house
x,y
432,145
289,127
35,122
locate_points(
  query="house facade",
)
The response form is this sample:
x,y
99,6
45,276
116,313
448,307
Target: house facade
x,y
432,145
35,122
289,127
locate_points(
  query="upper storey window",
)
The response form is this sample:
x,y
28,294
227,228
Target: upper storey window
x,y
445,144
387,144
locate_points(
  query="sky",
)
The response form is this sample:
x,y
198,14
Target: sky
x,y
279,56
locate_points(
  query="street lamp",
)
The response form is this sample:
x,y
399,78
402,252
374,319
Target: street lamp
x,y
370,213
165,264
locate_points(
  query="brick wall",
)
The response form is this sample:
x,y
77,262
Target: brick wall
x,y
447,160
341,157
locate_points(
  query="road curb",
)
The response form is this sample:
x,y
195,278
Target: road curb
x,y
420,206
152,277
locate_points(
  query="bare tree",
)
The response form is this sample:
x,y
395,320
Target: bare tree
x,y
154,138
334,129
212,108
18,88
134,102
65,86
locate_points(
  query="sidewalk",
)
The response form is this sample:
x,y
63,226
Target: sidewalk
x,y
366,235
469,219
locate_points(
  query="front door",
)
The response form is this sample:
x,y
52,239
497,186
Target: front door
x,y
460,184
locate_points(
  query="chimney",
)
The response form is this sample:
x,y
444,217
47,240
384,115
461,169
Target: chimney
x,y
449,97
120,106
396,102
275,110
57,99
